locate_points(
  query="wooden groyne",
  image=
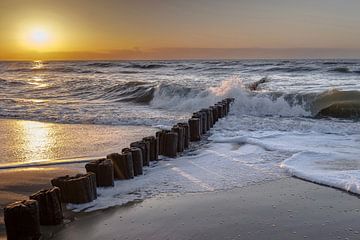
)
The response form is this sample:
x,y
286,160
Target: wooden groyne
x,y
23,218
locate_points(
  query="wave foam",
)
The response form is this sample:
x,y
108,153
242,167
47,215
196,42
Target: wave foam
x,y
216,167
332,169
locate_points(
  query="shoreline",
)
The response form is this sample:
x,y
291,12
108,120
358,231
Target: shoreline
x,y
66,147
35,142
288,208
225,191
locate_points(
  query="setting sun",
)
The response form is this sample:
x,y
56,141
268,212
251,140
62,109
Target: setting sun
x,y
37,38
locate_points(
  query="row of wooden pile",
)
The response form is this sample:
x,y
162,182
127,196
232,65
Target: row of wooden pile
x,y
23,218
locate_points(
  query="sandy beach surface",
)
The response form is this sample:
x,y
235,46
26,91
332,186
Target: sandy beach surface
x,y
19,184
288,208
32,153
33,142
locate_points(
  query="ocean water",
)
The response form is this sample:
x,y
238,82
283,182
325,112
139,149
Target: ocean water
x,y
298,117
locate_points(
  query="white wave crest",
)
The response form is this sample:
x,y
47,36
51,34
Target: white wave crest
x,y
246,102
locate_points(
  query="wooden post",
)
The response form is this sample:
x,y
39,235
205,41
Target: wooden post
x,y
200,117
136,154
22,220
123,165
78,189
186,134
181,138
214,114
208,118
154,151
144,149
219,110
49,202
204,122
160,137
226,106
104,171
171,144
203,119
194,124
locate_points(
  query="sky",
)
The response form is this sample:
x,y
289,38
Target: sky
x,y
178,29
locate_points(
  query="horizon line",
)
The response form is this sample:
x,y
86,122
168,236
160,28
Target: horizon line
x,y
187,53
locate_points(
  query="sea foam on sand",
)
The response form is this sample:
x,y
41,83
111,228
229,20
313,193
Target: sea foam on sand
x,y
214,166
247,149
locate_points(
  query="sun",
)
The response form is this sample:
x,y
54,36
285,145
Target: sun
x,y
38,38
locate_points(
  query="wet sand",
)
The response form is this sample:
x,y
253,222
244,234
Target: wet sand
x,y
288,208
25,142
43,146
18,184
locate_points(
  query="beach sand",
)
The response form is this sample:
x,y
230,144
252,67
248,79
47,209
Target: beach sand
x,y
19,184
288,208
32,153
27,142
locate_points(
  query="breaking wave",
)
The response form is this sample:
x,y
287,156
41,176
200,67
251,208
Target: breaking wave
x,y
338,104
334,103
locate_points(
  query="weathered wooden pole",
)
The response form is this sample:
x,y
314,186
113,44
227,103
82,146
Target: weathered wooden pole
x,y
104,171
80,188
145,149
160,137
208,118
194,124
215,114
186,134
171,144
203,121
123,165
154,151
49,203
22,220
181,137
220,110
136,154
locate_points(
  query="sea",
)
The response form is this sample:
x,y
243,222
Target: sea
x,y
290,117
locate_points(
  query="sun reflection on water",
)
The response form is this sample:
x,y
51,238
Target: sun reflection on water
x,y
38,64
38,77
36,140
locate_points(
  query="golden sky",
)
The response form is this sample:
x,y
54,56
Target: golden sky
x,y
155,29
